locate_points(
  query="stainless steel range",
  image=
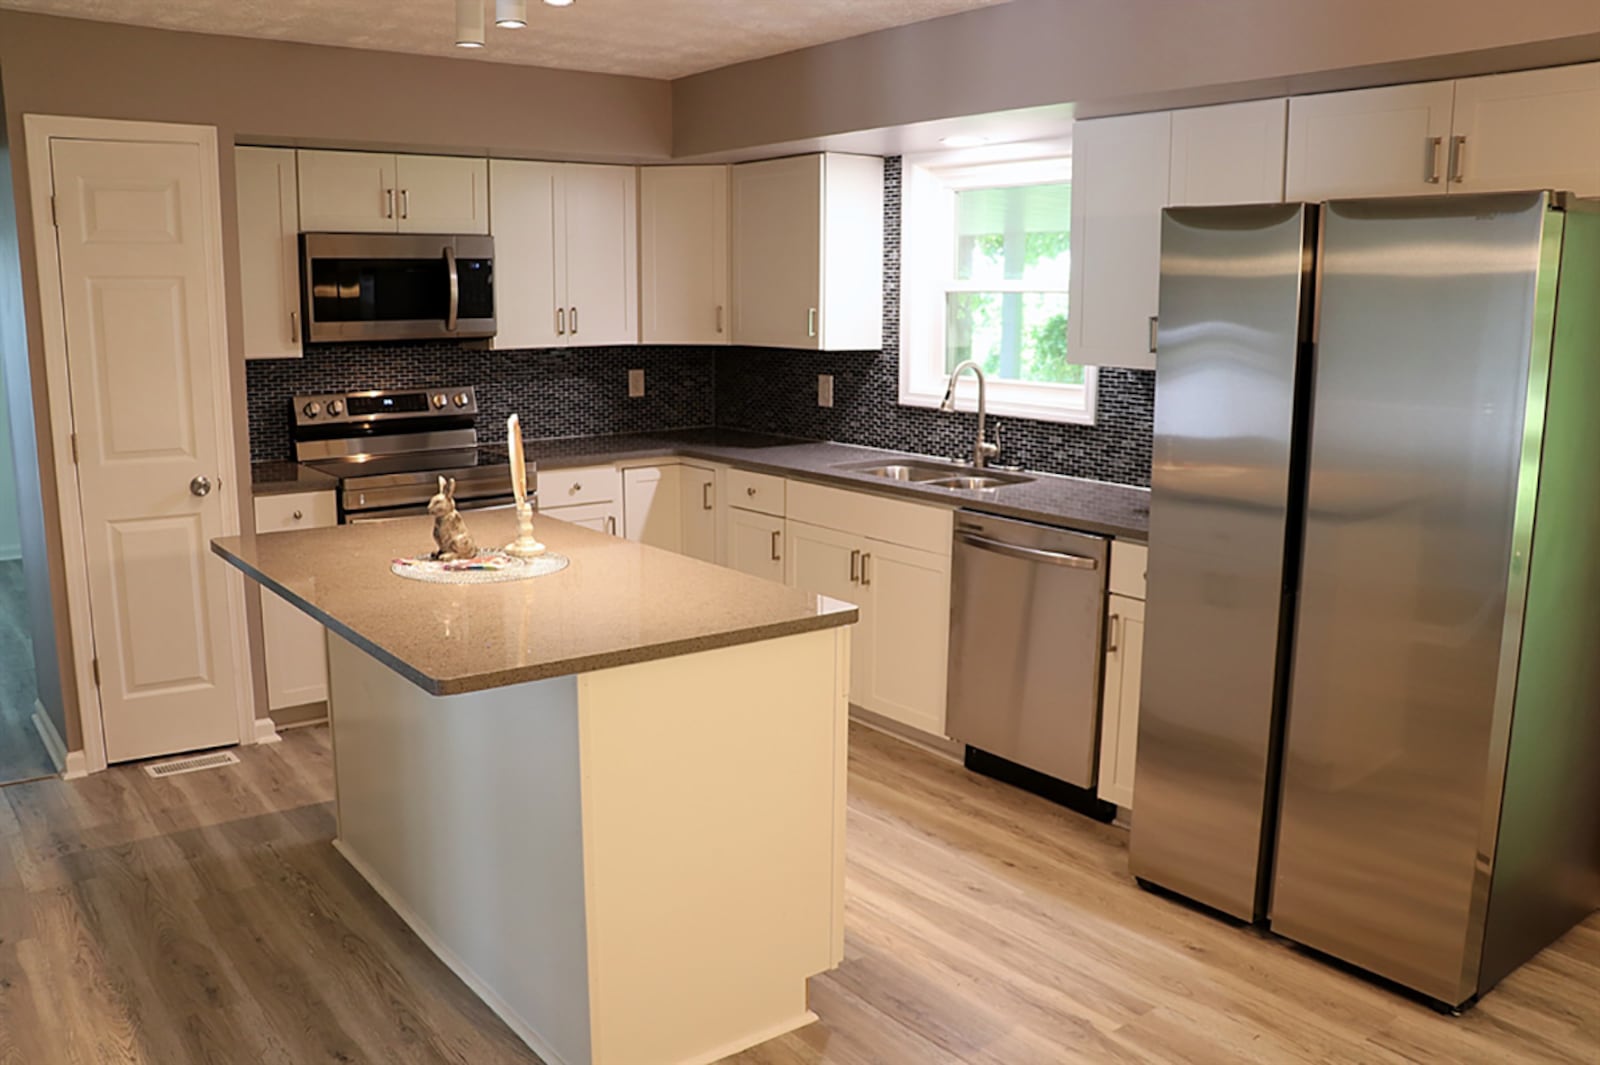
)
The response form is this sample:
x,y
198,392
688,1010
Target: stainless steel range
x,y
389,449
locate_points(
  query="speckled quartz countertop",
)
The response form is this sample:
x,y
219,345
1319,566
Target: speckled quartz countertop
x,y
1092,506
616,604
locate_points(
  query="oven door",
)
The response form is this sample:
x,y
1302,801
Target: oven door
x,y
465,506
392,286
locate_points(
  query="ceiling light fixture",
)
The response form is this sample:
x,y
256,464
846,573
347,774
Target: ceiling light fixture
x,y
511,14
963,140
559,3
469,23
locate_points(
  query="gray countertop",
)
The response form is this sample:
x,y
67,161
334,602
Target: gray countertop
x,y
616,604
1093,506
286,478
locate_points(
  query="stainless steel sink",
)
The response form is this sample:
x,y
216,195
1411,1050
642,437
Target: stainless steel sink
x,y
976,483
937,475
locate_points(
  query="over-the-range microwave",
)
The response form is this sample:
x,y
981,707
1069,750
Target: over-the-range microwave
x,y
396,286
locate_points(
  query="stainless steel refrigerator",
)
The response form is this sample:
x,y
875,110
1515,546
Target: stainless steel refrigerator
x,y
1370,714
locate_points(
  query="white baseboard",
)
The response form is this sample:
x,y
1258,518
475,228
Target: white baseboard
x,y
53,743
266,731
950,749
452,961
754,1039
77,766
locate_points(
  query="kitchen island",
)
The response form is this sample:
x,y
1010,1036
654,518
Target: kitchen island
x,y
610,799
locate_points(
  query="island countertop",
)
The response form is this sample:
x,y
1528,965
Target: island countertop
x,y
618,603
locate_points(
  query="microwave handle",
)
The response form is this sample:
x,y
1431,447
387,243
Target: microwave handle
x,y
454,313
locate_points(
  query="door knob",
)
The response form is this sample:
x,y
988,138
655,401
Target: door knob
x,y
200,486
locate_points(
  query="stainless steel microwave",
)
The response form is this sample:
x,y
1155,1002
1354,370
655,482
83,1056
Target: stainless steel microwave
x,y
396,286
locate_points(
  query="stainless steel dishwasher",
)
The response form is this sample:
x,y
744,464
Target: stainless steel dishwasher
x,y
1027,610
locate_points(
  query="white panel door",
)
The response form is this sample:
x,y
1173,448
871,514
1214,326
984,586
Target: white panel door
x,y
348,192
777,252
140,282
755,544
269,251
524,201
907,623
652,506
1372,142
698,495
1119,713
442,194
1228,154
828,562
602,254
1536,129
1119,186
683,254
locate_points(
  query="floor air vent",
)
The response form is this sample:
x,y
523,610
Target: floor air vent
x,y
215,760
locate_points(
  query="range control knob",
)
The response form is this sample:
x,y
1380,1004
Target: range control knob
x,y
462,399
335,407
439,400
312,409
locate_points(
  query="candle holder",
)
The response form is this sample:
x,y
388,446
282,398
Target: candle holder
x,y
524,546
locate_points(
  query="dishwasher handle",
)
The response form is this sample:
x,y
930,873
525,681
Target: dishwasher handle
x,y
1028,554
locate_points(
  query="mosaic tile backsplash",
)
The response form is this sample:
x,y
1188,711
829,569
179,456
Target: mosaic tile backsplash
x,y
584,392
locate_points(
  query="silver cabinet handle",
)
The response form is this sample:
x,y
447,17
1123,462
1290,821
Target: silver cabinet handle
x,y
705,497
811,322
1029,554
719,317
453,314
294,326
388,203
1153,320
866,570
405,203
200,486
776,536
573,316
1434,144
1458,159
561,321
611,523
855,566
1114,623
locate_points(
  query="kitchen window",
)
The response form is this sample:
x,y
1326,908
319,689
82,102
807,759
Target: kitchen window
x,y
985,259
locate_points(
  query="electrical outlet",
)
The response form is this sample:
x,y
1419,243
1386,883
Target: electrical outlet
x,y
635,384
824,389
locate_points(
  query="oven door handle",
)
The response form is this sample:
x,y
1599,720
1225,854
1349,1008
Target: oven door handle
x,y
1028,554
453,315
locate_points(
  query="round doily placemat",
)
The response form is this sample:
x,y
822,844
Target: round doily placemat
x,y
490,567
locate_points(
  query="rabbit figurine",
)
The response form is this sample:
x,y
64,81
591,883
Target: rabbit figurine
x,y
449,528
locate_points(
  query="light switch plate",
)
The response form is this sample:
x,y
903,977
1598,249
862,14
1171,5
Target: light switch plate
x,y
824,389
635,384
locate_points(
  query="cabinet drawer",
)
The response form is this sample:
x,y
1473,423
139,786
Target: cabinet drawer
x,y
601,517
302,510
760,492
895,521
566,488
1128,564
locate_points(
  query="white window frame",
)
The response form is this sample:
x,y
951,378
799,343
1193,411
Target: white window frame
x,y
927,211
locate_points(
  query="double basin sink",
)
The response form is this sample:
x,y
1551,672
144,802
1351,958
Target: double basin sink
x,y
939,475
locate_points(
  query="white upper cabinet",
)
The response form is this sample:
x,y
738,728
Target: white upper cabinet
x,y
374,192
269,271
808,253
1393,141
1536,129
1228,154
1120,169
566,254
683,254
442,194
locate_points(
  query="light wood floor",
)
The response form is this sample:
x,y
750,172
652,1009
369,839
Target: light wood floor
x,y
205,918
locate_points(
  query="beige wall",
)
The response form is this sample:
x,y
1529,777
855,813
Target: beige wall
x,y
1109,55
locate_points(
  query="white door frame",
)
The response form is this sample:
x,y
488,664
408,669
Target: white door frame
x,y
39,130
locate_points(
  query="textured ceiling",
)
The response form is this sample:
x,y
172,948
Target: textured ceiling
x,y
650,38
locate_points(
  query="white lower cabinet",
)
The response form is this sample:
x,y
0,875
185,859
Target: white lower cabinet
x,y
828,562
698,494
601,517
756,543
1119,707
652,506
296,652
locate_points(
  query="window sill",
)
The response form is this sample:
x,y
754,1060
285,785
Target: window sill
x,y
1007,406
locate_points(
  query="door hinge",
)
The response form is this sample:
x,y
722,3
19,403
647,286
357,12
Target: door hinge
x,y
74,449
94,665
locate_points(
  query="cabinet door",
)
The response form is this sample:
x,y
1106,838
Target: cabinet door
x,y
295,645
1119,714
828,562
1119,186
602,254
442,194
698,499
1371,142
652,506
269,247
755,544
348,192
683,254
601,517
1536,129
523,202
1228,154
907,638
777,252
850,317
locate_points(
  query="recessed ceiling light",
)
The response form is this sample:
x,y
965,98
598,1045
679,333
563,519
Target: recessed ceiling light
x,y
511,14
559,3
963,140
469,23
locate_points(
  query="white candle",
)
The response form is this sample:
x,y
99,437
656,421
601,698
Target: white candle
x,y
519,466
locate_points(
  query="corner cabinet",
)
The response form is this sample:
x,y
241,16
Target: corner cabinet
x,y
808,253
269,247
373,192
683,255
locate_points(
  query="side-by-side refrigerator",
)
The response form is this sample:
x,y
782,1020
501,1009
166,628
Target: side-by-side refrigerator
x,y
1371,690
